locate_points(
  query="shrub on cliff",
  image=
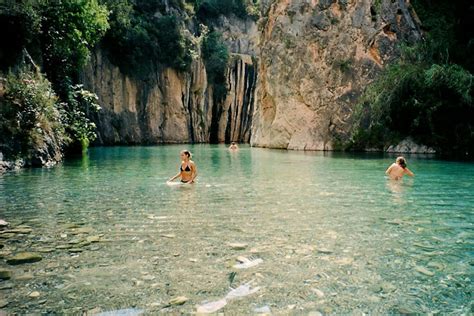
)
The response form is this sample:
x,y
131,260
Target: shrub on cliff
x,y
81,104
216,57
208,10
427,94
431,103
69,30
138,40
31,123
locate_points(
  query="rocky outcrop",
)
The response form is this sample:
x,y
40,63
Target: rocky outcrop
x,y
171,107
409,146
315,59
241,36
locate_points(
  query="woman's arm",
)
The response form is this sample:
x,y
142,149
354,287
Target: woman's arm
x,y
389,169
193,173
408,172
179,173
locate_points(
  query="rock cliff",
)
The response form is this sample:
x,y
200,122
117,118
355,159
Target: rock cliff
x,y
171,107
315,59
293,79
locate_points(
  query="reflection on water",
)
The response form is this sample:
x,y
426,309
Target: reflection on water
x,y
312,232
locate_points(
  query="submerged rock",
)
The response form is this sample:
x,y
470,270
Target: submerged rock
x,y
262,310
319,293
5,275
237,246
24,257
180,300
92,239
424,271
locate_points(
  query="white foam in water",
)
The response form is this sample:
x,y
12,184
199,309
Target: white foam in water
x,y
211,307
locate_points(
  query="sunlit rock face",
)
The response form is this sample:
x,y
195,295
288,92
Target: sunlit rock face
x,y
292,81
171,106
315,59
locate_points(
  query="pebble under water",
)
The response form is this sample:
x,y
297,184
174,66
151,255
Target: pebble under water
x,y
262,231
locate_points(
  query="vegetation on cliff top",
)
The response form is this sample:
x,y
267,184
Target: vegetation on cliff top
x,y
139,35
428,93
37,112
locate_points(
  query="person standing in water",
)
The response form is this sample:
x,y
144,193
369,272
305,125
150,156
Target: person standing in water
x,y
187,169
398,169
233,146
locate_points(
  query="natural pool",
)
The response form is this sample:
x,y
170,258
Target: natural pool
x,y
323,234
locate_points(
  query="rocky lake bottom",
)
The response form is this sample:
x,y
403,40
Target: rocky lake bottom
x,y
262,232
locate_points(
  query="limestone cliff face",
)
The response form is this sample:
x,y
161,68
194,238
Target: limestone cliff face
x,y
171,107
293,79
233,118
315,58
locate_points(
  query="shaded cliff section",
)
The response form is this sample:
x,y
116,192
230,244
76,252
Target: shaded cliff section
x,y
171,106
316,57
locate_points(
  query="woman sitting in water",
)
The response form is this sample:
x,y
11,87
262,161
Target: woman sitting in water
x,y
398,169
187,169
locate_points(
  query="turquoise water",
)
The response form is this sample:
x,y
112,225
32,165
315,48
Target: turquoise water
x,y
326,233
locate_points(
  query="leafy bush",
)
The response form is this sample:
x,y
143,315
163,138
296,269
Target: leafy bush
x,y
427,94
69,30
29,116
211,9
81,105
138,40
431,103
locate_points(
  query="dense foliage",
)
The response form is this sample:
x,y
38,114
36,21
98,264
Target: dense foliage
x,y
29,115
428,93
212,9
56,37
59,34
69,29
139,40
32,116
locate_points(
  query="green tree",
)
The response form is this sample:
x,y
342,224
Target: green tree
x,y
427,93
69,30
139,41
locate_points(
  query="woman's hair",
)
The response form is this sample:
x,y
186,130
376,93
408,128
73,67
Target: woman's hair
x,y
401,162
187,153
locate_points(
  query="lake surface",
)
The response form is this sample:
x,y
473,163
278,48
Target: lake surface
x,y
314,232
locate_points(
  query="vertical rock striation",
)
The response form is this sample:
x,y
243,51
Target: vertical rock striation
x,y
171,107
234,115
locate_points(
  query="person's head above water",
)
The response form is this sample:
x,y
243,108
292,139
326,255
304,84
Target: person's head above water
x,y
401,162
186,154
